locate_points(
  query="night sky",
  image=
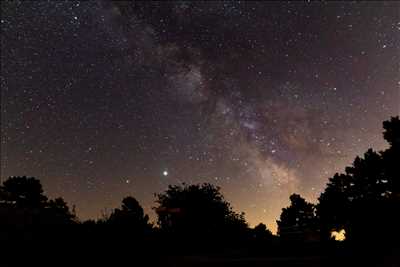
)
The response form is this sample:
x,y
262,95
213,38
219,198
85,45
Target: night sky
x,y
102,100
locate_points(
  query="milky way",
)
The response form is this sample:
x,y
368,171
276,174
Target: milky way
x,y
101,100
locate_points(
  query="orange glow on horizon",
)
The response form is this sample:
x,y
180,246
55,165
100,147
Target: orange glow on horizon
x,y
339,235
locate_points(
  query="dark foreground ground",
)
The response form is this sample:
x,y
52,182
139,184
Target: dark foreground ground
x,y
69,259
343,258
110,256
57,250
272,262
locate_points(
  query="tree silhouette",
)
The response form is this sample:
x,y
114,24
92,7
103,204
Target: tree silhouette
x,y
392,132
198,211
391,156
23,192
24,203
58,212
333,209
130,215
367,195
261,232
298,220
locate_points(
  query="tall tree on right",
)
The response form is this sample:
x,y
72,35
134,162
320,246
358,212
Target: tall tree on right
x,y
365,199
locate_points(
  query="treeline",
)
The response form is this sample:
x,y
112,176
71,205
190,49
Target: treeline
x,y
364,201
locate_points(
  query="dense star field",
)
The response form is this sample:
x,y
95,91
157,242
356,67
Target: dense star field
x,y
102,100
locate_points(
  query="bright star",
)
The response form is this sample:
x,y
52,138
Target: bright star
x,y
165,173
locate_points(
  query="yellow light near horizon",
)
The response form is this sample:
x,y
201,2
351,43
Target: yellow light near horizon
x,y
339,235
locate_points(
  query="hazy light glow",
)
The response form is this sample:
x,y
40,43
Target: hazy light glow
x,y
339,235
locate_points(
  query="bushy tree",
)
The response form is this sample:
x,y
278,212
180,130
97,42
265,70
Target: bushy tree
x,y
298,220
130,216
23,192
260,232
198,211
23,202
58,212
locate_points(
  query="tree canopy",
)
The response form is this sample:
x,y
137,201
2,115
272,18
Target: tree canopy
x,y
130,216
24,203
24,192
297,220
197,209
